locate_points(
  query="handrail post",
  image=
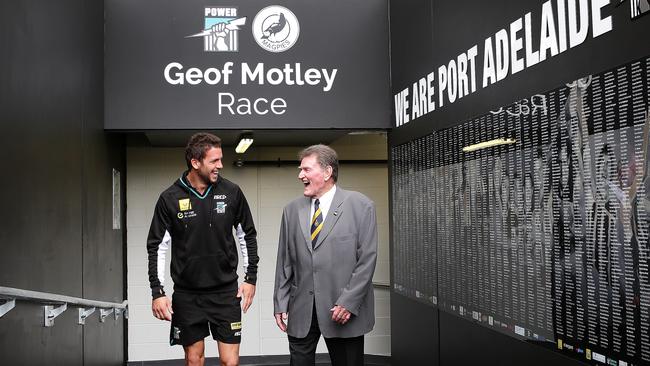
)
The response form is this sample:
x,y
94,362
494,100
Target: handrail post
x,y
7,306
119,311
85,313
51,312
103,313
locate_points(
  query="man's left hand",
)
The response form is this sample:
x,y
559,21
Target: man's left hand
x,y
340,314
246,292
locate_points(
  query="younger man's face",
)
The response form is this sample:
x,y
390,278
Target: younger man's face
x,y
208,167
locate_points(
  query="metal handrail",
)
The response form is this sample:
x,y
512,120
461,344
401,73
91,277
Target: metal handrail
x,y
55,305
54,299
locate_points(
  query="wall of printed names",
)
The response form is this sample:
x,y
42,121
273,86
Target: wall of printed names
x,y
546,239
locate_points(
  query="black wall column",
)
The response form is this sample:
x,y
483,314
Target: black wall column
x,y
57,231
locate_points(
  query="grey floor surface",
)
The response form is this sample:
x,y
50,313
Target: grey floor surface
x,y
321,360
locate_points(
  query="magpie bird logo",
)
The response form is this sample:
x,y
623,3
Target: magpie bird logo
x,y
220,30
276,28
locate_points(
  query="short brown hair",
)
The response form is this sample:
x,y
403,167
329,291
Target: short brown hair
x,y
198,145
325,155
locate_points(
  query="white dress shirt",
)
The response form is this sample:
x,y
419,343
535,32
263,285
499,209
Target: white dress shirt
x,y
325,203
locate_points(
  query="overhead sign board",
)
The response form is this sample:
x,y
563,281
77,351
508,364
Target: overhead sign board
x,y
251,64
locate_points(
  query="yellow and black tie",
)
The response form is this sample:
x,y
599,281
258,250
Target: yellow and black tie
x,y
316,223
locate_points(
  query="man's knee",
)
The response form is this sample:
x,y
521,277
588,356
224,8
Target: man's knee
x,y
194,354
194,359
229,360
228,353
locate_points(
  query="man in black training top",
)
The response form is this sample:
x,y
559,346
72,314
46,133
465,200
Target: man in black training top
x,y
197,216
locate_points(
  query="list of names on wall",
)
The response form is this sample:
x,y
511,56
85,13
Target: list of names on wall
x,y
544,235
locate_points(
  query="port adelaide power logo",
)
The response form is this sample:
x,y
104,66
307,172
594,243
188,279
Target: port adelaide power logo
x,y
221,29
276,28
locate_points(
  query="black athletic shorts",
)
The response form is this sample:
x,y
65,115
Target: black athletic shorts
x,y
197,315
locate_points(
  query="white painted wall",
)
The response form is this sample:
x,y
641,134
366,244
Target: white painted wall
x,y
268,189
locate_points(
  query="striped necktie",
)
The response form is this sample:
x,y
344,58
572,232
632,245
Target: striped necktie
x,y
316,223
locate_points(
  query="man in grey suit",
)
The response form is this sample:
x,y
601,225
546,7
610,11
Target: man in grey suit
x,y
326,259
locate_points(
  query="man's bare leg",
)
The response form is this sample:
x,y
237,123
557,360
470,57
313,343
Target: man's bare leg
x,y
228,354
194,354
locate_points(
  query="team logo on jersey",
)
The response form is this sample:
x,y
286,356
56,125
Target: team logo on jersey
x,y
220,29
276,28
184,204
221,207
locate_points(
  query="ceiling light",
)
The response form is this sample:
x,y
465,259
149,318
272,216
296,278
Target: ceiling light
x,y
244,143
367,132
486,144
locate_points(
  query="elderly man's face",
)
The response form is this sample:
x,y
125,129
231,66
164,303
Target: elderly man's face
x,y
315,179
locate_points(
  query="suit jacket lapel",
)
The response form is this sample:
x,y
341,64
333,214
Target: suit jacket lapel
x,y
333,215
303,214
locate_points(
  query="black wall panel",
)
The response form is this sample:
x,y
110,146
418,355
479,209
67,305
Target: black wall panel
x,y
57,231
103,250
41,149
465,343
414,332
424,35
24,340
410,22
103,247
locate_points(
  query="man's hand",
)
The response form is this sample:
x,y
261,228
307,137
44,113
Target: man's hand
x,y
340,314
162,308
246,292
280,320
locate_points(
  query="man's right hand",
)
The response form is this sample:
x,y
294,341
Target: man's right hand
x,y
280,319
162,308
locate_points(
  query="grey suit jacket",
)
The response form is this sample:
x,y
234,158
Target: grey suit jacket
x,y
337,271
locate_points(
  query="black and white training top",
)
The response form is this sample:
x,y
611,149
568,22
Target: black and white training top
x,y
200,226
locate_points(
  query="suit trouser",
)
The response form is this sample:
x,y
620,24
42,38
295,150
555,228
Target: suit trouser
x,y
342,351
